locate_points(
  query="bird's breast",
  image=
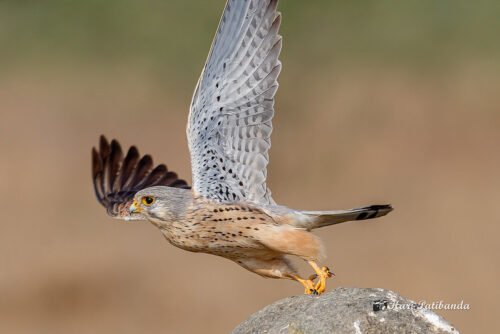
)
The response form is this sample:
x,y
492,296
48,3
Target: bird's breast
x,y
226,230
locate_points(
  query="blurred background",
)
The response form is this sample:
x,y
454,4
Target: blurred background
x,y
380,101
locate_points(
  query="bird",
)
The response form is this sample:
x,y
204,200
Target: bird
x,y
229,210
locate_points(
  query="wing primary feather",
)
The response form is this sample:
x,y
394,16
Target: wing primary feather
x,y
143,169
104,150
103,147
115,160
156,175
128,167
97,168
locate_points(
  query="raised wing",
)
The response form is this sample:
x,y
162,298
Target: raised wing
x,y
117,178
229,127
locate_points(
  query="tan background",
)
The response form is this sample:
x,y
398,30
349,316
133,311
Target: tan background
x,y
380,101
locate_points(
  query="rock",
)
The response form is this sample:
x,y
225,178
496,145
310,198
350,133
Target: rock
x,y
345,310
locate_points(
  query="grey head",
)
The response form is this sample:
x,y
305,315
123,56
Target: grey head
x,y
161,204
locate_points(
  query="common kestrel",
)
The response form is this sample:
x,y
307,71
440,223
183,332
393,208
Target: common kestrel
x,y
229,211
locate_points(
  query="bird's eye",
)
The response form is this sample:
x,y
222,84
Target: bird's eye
x,y
148,200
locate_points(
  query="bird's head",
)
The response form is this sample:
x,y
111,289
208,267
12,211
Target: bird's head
x,y
161,204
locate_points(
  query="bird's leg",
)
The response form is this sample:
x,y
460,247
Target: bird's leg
x,y
323,273
309,287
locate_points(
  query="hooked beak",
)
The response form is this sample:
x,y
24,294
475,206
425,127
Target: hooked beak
x,y
134,208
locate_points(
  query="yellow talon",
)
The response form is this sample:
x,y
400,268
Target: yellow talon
x,y
309,288
313,277
323,273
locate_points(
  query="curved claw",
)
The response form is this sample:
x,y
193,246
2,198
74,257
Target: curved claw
x,y
327,272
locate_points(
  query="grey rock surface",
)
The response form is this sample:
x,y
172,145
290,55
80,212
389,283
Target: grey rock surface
x,y
345,310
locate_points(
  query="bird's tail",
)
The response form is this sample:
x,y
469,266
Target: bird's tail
x,y
319,219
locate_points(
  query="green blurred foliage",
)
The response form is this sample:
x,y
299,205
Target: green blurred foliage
x,y
173,37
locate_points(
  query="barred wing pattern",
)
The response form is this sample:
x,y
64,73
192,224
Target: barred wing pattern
x,y
117,178
229,125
